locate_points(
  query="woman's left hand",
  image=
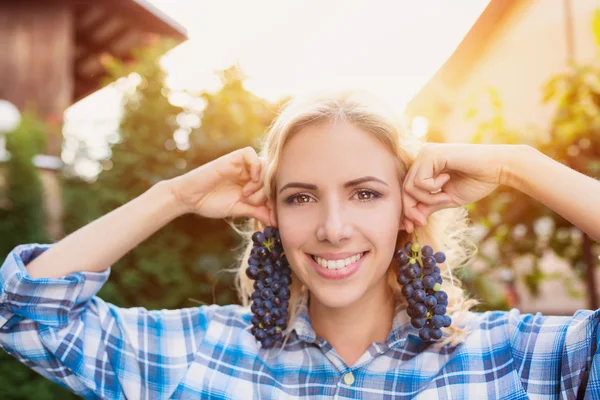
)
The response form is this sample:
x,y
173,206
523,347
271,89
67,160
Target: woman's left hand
x,y
465,173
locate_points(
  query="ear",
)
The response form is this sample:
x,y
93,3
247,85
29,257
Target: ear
x,y
272,213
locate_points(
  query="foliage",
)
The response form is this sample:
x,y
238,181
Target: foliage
x,y
183,263
22,221
521,228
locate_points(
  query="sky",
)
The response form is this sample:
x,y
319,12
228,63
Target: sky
x,y
285,48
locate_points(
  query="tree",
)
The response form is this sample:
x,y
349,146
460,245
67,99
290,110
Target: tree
x,y
523,228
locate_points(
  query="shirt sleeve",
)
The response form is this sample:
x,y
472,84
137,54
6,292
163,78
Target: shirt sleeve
x,y
62,330
557,355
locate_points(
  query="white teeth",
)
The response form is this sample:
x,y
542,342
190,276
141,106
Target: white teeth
x,y
337,264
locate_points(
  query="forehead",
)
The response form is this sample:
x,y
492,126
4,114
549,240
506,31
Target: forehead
x,y
330,151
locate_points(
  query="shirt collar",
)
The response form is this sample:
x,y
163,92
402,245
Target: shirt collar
x,y
401,327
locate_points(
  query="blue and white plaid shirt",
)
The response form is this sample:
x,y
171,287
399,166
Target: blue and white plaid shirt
x,y
59,328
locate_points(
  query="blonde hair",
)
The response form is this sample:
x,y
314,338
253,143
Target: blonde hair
x,y
447,230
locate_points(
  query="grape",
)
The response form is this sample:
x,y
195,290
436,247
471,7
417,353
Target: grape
x,y
428,262
428,282
417,270
410,273
285,280
419,295
267,320
252,272
401,257
402,279
266,294
418,322
276,312
420,310
439,257
427,251
441,296
417,284
263,253
261,334
269,268
435,333
421,281
267,305
258,238
430,301
447,321
437,321
425,334
407,291
269,232
439,309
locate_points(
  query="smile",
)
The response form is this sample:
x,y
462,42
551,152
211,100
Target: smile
x,y
337,264
339,269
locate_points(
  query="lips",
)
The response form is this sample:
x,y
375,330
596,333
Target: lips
x,y
335,274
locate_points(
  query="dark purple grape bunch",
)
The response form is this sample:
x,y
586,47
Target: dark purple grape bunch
x,y
421,282
268,267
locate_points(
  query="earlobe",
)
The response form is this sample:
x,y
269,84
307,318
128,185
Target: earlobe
x,y
272,215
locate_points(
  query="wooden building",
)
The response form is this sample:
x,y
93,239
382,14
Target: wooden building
x,y
51,53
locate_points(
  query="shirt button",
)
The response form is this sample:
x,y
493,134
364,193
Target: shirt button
x,y
349,379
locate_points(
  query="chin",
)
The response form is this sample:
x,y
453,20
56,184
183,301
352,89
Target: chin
x,y
332,296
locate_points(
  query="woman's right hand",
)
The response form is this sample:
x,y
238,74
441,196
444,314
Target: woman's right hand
x,y
230,186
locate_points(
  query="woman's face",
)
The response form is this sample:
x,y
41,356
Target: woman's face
x,y
339,198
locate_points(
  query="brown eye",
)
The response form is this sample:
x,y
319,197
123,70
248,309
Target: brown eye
x,y
367,195
298,199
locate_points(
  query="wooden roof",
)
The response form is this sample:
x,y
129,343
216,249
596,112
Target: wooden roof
x,y
436,96
114,27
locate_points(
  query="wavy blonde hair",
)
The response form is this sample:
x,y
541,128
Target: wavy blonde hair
x,y
447,230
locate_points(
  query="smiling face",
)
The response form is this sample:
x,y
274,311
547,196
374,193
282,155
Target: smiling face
x,y
338,197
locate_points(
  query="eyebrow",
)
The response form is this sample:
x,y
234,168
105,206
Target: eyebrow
x,y
348,184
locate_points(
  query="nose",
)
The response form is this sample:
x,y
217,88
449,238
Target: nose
x,y
334,226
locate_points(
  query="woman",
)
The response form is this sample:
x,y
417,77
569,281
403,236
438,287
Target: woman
x,y
339,179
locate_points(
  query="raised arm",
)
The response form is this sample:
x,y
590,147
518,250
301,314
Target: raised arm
x,y
466,173
213,190
61,329
571,194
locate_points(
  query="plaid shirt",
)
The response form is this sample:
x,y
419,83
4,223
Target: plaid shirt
x,y
59,328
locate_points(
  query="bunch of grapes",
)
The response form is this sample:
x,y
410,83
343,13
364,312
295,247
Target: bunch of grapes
x,y
421,280
268,267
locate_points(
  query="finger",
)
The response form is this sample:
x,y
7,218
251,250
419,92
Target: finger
x,y
410,209
258,198
251,187
408,225
425,197
253,163
425,181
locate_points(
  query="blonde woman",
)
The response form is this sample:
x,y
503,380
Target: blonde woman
x,y
337,176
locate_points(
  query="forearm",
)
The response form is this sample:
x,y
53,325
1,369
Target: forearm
x,y
103,242
573,195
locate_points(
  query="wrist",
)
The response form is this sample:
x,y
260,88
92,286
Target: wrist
x,y
514,161
169,200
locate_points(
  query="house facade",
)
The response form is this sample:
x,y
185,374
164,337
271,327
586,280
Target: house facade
x,y
513,49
